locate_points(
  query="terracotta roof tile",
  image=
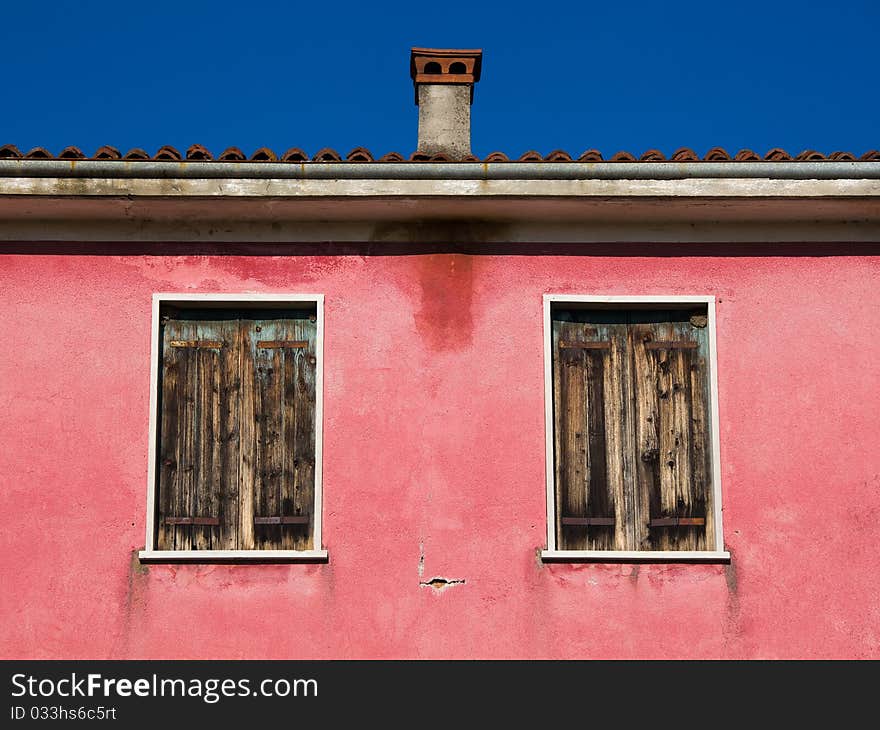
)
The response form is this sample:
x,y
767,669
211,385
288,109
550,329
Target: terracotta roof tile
x,y
777,155
71,153
684,154
232,154
107,152
558,156
591,156
39,153
198,153
167,152
359,154
326,155
746,156
717,154
264,154
294,154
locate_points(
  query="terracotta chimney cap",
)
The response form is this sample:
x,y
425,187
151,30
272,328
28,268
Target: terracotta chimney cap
x,y
445,65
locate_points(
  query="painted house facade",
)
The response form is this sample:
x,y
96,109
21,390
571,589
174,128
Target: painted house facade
x,y
439,406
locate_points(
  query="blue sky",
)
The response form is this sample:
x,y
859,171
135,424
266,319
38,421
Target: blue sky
x,y
611,76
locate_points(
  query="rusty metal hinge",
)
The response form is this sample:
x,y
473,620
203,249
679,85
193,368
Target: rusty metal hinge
x,y
672,345
209,344
588,521
566,345
282,520
213,521
677,522
282,344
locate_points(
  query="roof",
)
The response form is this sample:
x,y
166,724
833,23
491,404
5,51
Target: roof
x,y
197,152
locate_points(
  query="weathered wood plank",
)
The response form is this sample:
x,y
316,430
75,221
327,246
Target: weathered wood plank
x,y
186,444
572,465
230,437
646,413
701,445
268,427
618,435
170,403
298,495
247,444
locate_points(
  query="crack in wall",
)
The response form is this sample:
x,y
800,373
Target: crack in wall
x,y
441,584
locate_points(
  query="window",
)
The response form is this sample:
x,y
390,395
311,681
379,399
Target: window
x,y
236,438
632,457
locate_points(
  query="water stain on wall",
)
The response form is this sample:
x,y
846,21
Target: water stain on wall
x,y
444,319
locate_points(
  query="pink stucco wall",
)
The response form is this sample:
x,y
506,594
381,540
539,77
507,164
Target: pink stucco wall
x,y
434,464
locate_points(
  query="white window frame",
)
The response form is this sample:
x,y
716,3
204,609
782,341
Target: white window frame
x,y
551,553
257,301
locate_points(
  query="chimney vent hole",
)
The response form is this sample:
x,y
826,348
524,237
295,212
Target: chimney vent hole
x,y
432,67
458,68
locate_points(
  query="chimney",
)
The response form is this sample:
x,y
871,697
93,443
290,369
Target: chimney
x,y
444,87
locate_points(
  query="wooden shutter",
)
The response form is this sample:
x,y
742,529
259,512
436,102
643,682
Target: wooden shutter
x,y
237,431
673,476
631,426
589,371
198,439
280,359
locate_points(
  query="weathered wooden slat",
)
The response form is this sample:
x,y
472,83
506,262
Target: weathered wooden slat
x,y
289,414
671,345
304,456
646,415
203,433
197,344
247,444
170,401
701,447
572,464
229,437
184,502
192,520
268,428
282,344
